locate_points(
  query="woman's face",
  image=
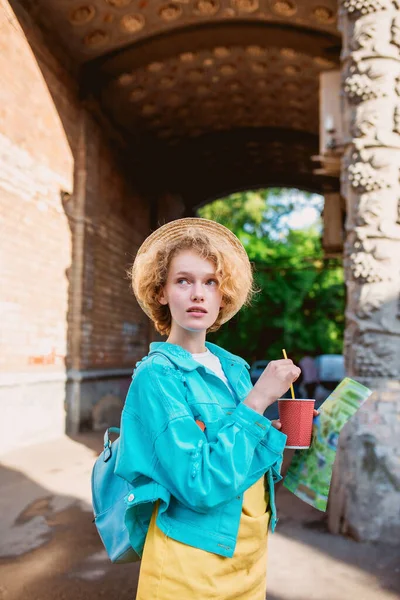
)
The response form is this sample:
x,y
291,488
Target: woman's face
x,y
192,284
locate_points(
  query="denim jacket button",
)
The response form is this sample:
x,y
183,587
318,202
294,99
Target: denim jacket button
x,y
131,497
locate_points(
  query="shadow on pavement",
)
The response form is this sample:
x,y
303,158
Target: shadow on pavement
x,y
50,549
303,523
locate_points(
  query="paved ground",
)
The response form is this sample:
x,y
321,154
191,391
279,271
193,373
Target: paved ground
x,y
50,550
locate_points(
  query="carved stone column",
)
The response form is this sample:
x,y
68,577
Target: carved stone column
x,y
365,498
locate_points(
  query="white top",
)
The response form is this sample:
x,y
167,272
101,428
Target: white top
x,y
212,362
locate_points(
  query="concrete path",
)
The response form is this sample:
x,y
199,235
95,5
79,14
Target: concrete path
x,y
50,550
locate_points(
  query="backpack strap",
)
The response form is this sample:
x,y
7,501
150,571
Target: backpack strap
x,y
107,453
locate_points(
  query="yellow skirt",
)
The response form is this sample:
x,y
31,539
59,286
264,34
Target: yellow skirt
x,y
171,570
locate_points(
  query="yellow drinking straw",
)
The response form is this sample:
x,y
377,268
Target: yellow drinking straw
x,y
291,386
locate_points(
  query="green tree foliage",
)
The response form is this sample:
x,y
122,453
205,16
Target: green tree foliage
x,y
301,299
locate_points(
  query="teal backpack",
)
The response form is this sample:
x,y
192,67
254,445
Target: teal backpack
x,y
108,499
109,495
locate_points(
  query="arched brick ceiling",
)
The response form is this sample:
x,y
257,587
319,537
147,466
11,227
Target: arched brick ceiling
x,y
93,28
193,89
189,83
218,88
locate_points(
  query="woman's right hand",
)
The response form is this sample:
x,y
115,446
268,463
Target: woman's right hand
x,y
272,384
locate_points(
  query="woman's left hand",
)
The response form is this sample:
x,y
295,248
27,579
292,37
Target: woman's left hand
x,y
277,424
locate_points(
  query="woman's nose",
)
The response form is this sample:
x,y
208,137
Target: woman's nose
x,y
197,292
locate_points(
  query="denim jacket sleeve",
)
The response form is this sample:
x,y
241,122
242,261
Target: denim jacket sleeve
x,y
200,474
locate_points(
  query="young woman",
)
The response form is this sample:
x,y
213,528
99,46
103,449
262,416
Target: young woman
x,y
200,455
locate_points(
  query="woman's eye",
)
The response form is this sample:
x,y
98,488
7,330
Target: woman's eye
x,y
209,281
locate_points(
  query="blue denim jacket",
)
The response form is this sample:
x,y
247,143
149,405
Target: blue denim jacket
x,y
198,477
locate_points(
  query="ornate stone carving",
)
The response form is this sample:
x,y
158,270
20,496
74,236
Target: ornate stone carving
x,y
323,14
255,51
161,15
368,258
187,57
374,215
372,308
246,6
82,14
137,94
369,210
372,360
126,79
357,8
288,53
365,176
365,123
260,68
228,69
231,77
94,39
155,67
371,298
371,126
132,23
367,82
369,38
206,8
221,52
285,8
371,186
170,12
366,268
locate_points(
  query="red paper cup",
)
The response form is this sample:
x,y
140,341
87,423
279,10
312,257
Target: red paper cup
x,y
296,417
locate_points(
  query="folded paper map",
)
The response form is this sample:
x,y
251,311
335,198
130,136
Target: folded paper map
x,y
310,472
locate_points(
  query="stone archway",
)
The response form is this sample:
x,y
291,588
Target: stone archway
x,y
208,96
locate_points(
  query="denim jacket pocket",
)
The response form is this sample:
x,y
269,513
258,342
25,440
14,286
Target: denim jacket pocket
x,y
207,413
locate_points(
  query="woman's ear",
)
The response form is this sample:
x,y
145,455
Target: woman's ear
x,y
162,299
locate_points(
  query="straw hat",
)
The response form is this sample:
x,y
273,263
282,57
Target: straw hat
x,y
226,241
175,230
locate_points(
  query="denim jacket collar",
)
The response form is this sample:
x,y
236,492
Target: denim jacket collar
x,y
184,360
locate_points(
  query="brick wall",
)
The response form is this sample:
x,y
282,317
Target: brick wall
x,y
36,164
114,329
70,224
